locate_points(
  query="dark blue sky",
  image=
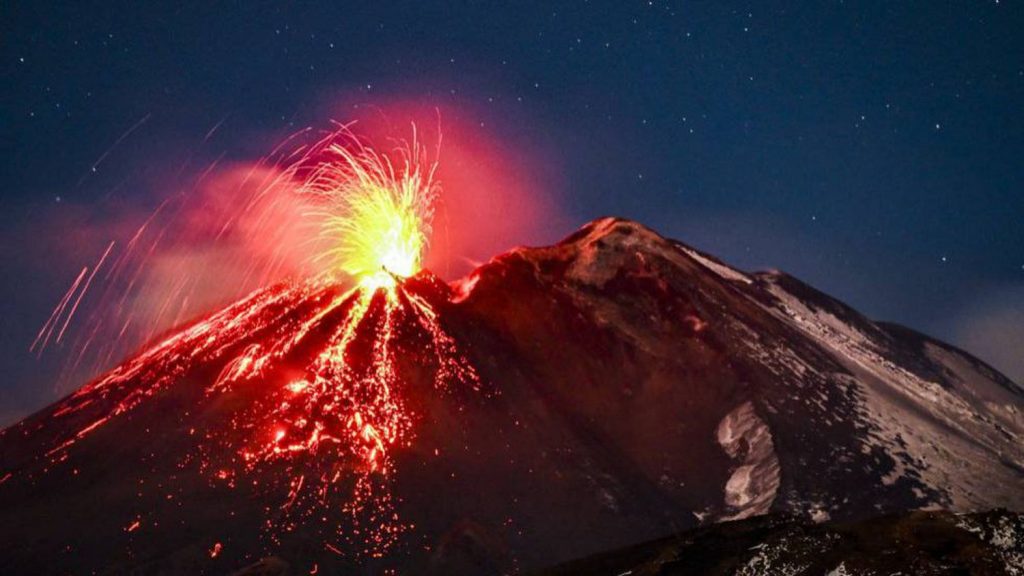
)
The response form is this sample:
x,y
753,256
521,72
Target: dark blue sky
x,y
872,148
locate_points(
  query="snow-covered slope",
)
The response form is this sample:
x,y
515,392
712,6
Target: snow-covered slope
x,y
945,417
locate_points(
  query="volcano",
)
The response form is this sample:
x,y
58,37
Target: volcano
x,y
557,402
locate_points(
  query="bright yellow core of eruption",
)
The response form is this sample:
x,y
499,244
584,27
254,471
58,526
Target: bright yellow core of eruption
x,y
376,218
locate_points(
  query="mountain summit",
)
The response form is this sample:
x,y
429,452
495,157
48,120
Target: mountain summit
x,y
558,401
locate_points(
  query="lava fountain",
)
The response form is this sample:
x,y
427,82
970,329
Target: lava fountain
x,y
376,217
310,368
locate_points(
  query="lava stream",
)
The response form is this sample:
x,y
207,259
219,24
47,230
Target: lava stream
x,y
316,429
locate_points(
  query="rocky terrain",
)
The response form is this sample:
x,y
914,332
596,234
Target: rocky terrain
x,y
915,543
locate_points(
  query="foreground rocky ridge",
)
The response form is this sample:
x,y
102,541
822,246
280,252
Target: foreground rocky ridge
x,y
635,387
912,544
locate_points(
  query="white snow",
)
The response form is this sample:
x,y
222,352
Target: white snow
x,y
955,438
720,269
752,487
1005,536
818,512
767,562
839,570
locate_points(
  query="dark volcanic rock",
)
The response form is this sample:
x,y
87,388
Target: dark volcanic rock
x,y
633,387
915,543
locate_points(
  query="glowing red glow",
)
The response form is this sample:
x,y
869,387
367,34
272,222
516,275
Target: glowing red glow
x,y
247,221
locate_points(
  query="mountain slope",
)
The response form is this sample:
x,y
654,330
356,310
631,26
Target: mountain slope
x,y
625,386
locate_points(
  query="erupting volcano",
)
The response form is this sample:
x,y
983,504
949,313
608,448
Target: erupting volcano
x,y
557,401
318,438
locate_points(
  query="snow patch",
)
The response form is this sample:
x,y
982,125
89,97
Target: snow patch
x,y
839,570
752,487
720,269
1006,535
768,562
818,513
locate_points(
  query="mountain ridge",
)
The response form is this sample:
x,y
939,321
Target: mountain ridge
x,y
629,387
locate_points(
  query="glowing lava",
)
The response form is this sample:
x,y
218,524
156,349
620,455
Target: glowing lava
x,y
376,217
332,431
313,371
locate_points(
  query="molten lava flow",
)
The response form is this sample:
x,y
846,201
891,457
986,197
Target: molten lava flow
x,y
312,371
332,431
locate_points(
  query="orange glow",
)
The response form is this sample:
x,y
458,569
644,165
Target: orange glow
x,y
225,229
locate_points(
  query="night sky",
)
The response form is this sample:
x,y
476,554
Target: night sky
x,y
875,150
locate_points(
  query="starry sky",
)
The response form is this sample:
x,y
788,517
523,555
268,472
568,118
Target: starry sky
x,y
873,149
